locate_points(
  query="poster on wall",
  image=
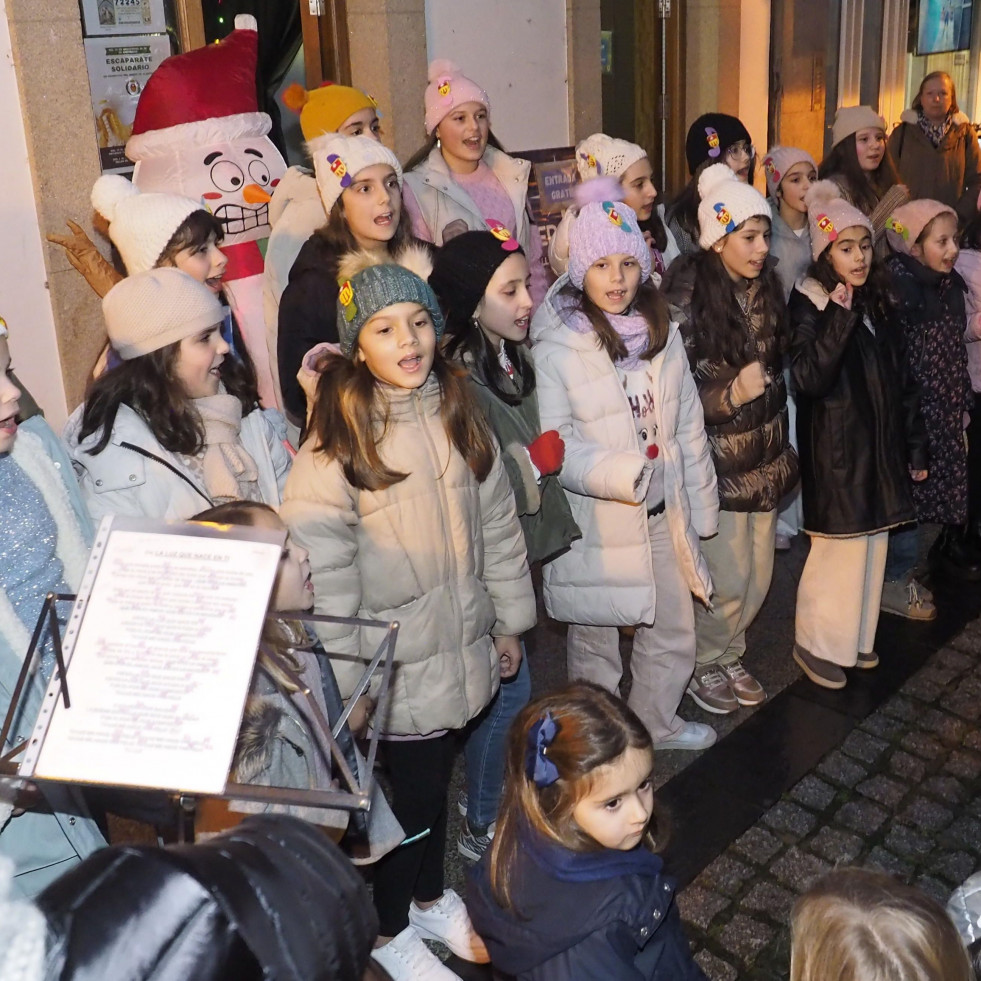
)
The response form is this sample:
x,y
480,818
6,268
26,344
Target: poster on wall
x,y
102,17
118,69
943,25
553,173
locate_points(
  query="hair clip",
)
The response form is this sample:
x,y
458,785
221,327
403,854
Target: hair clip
x,y
538,767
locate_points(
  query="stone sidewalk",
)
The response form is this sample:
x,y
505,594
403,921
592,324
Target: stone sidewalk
x,y
902,793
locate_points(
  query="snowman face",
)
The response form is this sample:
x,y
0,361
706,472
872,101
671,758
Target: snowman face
x,y
234,179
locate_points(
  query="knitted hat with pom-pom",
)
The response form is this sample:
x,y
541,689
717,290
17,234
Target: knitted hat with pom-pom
x,y
778,161
325,109
907,223
448,88
829,214
149,310
726,202
368,285
140,225
604,227
600,155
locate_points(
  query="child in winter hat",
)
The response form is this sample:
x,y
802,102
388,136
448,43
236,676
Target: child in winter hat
x,y
726,202
710,136
850,119
605,228
328,108
829,214
367,286
448,88
152,309
906,225
778,162
140,224
601,155
337,161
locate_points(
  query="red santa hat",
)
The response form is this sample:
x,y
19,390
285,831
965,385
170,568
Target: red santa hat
x,y
203,96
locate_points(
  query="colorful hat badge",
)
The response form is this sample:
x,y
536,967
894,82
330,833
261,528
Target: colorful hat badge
x,y
771,169
339,169
591,161
826,225
443,87
898,227
346,299
615,218
712,138
503,234
723,217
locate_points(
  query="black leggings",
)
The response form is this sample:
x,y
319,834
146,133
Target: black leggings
x,y
419,777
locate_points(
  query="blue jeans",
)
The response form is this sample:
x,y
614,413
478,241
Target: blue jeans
x,y
485,751
904,549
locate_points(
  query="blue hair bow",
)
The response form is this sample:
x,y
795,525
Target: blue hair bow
x,y
539,768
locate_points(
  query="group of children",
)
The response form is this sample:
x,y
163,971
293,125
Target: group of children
x,y
641,449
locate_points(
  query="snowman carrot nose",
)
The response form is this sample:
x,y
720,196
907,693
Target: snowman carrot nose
x,y
253,194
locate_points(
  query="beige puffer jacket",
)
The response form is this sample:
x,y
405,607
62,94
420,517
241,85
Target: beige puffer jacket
x,y
607,577
438,552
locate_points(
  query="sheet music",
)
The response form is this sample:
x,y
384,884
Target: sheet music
x,y
163,657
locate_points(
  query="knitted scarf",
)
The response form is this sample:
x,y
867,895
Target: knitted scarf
x,y
934,132
230,473
632,329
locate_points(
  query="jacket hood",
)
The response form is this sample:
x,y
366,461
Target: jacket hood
x,y
548,323
297,184
814,291
912,116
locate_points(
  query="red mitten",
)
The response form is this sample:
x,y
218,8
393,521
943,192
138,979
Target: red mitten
x,y
547,452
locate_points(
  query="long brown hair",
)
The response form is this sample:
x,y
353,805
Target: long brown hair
x,y
860,924
349,420
648,303
594,728
864,190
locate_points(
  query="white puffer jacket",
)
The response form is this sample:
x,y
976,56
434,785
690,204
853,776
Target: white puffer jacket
x,y
120,480
440,553
607,578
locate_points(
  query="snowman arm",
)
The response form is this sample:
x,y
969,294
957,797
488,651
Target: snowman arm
x,y
87,259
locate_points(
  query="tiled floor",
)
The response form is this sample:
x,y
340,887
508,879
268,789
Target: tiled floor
x,y
886,772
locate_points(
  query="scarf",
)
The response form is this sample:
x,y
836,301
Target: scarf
x,y
632,329
229,471
934,132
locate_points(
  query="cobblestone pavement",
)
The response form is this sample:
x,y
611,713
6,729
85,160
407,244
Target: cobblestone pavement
x,y
902,793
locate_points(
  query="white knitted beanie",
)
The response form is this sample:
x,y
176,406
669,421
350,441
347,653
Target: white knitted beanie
x,y
850,119
337,160
600,155
140,225
155,308
726,202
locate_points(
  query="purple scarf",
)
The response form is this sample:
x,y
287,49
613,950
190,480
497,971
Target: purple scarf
x,y
632,329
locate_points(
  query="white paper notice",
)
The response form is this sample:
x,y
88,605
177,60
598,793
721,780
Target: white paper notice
x,y
161,667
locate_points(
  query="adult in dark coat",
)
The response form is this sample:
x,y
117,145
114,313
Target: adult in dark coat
x,y
606,914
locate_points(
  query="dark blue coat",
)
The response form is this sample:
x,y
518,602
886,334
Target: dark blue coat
x,y
605,914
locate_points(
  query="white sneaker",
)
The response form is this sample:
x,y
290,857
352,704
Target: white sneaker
x,y
449,923
407,958
694,736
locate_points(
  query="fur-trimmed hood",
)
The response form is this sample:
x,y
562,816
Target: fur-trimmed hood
x,y
913,117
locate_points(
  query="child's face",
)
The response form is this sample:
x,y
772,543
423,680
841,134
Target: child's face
x,y
618,808
795,184
293,589
738,158
851,255
505,308
639,192
612,281
373,205
206,263
364,122
9,394
744,251
870,147
938,248
198,361
398,345
463,135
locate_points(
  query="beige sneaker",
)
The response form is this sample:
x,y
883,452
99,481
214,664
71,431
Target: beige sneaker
x,y
709,688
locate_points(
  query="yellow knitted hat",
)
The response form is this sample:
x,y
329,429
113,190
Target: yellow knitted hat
x,y
325,110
